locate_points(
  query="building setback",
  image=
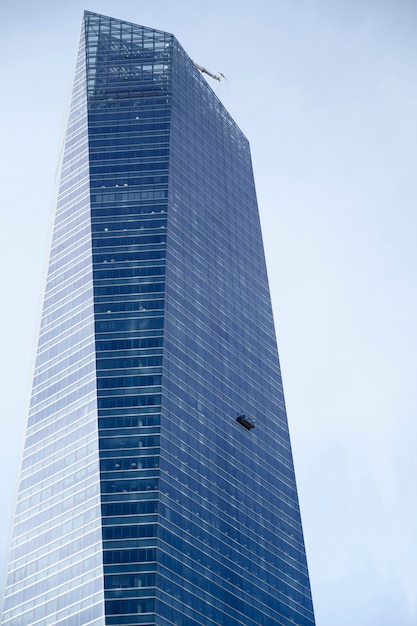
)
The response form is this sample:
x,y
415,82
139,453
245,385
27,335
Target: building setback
x,y
157,485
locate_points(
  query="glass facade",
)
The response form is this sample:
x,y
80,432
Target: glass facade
x,y
143,500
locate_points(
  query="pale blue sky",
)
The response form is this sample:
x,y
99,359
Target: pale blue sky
x,y
326,92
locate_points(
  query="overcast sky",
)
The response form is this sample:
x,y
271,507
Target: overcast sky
x,y
325,90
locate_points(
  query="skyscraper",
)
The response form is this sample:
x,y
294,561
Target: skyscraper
x,y
157,484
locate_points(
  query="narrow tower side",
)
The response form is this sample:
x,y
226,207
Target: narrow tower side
x,y
55,571
129,130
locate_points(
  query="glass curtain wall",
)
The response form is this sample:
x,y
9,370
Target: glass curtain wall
x,y
157,486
